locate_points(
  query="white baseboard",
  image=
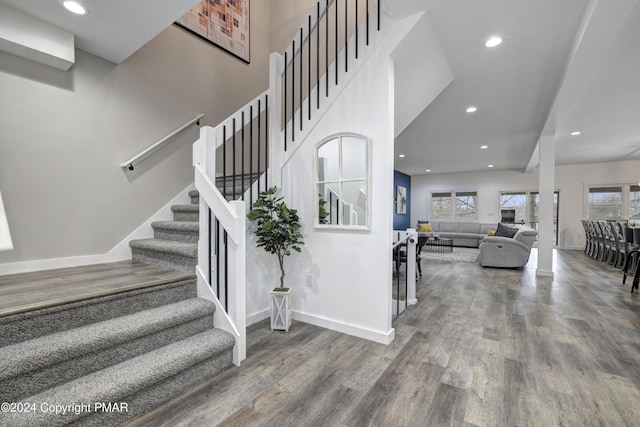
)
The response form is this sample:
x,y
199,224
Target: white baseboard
x,y
257,317
357,331
544,273
121,252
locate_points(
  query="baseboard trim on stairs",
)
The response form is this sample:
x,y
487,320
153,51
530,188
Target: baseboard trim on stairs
x,y
121,252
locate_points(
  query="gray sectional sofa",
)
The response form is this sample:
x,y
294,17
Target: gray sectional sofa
x,y
510,252
466,234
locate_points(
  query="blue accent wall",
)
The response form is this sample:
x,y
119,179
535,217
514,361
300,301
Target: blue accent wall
x,y
401,222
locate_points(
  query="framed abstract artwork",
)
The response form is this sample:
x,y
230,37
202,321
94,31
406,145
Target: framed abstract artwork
x,y
401,200
224,23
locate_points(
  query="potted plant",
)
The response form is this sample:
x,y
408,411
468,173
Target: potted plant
x,y
278,232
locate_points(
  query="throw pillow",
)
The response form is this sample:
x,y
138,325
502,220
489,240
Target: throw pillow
x,y
505,231
491,233
425,228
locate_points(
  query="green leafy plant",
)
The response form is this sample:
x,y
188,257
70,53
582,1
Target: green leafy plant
x,y
322,210
278,227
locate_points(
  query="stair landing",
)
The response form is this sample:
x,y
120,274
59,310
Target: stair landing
x,y
20,293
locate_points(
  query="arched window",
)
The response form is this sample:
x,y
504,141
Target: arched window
x,y
342,182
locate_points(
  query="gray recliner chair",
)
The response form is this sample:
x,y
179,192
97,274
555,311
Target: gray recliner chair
x,y
498,251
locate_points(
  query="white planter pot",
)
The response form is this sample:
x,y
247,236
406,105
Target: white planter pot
x,y
280,310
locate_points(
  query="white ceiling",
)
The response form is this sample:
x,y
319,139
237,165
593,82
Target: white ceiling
x,y
114,29
564,65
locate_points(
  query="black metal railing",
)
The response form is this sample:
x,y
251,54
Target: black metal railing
x,y
400,285
299,65
244,162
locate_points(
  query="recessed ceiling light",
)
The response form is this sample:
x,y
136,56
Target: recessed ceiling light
x,y
75,7
489,166
428,170
493,41
400,155
484,147
472,109
576,133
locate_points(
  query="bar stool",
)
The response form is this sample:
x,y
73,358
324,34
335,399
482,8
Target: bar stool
x,y
632,235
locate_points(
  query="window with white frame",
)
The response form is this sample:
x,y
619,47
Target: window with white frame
x,y
634,202
454,205
466,204
605,202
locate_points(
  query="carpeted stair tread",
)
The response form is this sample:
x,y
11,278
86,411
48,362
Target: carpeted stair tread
x,y
128,381
187,226
194,193
54,348
184,249
34,324
192,208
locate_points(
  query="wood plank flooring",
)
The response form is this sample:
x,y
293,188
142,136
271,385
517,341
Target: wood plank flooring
x,y
42,289
483,347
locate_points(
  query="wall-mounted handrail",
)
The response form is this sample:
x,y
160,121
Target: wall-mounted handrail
x,y
130,164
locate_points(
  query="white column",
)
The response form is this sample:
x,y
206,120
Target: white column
x,y
545,208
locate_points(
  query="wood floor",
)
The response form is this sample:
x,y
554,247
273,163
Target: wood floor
x,y
483,347
42,289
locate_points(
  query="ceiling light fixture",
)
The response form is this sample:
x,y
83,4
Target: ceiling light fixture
x,y
576,133
472,109
401,155
493,41
484,147
75,7
428,170
489,166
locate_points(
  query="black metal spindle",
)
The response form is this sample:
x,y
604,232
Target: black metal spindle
x,y
266,140
346,36
309,70
217,257
301,72
379,15
326,47
259,145
233,157
336,42
317,56
226,272
293,91
286,65
356,21
224,161
367,15
251,152
242,159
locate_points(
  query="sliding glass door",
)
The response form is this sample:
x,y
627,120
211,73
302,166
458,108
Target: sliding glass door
x,y
521,207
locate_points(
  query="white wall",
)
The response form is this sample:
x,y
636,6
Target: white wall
x,y
63,136
351,270
571,181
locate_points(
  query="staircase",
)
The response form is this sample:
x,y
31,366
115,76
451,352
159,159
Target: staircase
x,y
175,243
133,350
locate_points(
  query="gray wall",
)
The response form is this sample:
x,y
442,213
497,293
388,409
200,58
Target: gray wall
x,y
63,136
